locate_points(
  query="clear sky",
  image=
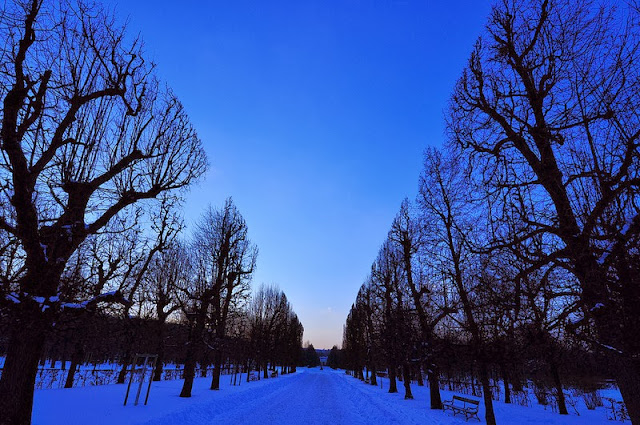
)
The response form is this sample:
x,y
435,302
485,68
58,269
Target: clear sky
x,y
314,115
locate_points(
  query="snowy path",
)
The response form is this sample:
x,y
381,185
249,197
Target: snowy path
x,y
310,396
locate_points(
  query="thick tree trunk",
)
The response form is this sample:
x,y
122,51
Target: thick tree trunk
x,y
157,375
489,415
628,371
76,358
393,387
434,387
406,377
189,373
217,366
20,370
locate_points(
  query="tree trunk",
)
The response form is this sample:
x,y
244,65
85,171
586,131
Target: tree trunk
x,y
434,387
374,380
562,405
489,415
76,358
20,369
393,387
419,375
217,366
507,390
125,365
157,376
189,373
406,377
629,384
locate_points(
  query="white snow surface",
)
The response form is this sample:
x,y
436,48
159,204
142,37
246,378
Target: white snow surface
x,y
310,396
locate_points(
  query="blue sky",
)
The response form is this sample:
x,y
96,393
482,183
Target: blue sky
x,y
314,115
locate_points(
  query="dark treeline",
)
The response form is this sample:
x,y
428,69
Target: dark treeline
x,y
518,261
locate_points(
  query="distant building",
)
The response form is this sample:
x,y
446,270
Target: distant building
x,y
323,360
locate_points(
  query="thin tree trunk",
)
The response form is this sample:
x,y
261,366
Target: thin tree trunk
x,y
562,405
507,390
125,365
406,375
418,371
374,380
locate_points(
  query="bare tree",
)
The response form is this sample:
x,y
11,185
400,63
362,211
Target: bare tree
x,y
445,200
224,259
86,131
408,234
269,313
385,275
163,228
548,106
167,273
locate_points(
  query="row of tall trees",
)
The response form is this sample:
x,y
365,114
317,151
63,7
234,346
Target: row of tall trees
x,y
87,134
526,228
96,156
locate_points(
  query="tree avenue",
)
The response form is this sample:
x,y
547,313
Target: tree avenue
x,y
524,242
86,132
548,110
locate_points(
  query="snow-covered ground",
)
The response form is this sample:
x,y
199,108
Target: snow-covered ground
x,y
310,396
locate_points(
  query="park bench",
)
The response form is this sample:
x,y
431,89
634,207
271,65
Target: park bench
x,y
253,376
274,374
466,406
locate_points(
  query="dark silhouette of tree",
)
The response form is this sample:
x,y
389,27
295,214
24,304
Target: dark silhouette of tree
x,y
86,132
311,358
334,360
223,260
168,272
445,199
548,107
408,235
273,329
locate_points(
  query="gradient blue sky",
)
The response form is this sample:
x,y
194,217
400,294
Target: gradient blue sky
x,y
314,115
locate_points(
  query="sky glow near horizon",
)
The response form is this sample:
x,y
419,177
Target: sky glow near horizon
x,y
314,115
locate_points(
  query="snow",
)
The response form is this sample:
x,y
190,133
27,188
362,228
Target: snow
x,y
73,305
14,297
44,251
310,396
607,250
